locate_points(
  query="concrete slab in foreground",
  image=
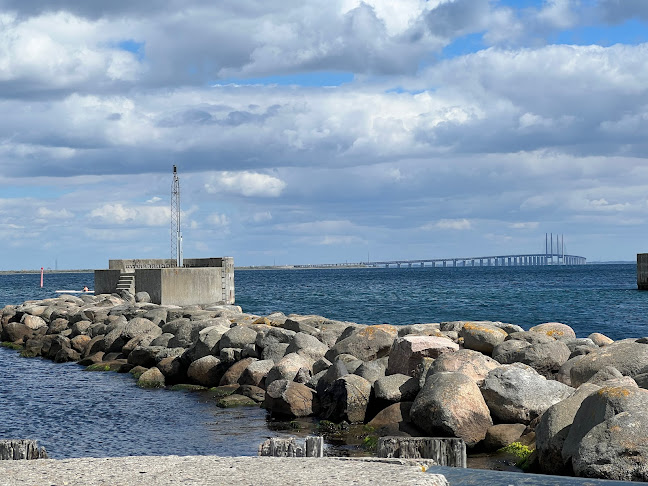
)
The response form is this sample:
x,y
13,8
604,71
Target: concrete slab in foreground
x,y
213,470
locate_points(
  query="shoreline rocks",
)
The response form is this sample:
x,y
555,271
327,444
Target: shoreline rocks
x,y
489,383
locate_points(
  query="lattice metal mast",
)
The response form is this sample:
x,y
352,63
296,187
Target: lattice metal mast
x,y
176,231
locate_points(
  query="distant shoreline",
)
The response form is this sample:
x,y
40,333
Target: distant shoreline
x,y
281,267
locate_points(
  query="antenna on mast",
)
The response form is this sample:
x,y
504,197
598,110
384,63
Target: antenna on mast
x,y
176,232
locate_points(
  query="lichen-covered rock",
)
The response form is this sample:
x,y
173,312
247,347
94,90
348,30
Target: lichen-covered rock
x,y
450,404
516,393
407,352
597,408
287,398
627,356
553,428
554,329
347,398
482,336
546,358
471,363
615,449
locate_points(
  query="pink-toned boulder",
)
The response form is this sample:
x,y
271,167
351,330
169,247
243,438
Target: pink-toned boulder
x,y
473,364
407,352
556,330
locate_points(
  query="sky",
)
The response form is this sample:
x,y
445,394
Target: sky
x,y
321,131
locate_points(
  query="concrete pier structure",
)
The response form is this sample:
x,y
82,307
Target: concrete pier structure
x,y
198,281
642,271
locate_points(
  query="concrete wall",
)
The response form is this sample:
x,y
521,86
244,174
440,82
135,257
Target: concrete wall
x,y
182,286
199,281
642,271
105,281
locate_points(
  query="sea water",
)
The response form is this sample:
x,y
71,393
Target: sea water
x,y
75,413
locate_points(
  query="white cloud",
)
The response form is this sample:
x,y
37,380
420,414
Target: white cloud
x,y
54,213
453,224
154,200
262,216
143,215
249,184
216,219
525,226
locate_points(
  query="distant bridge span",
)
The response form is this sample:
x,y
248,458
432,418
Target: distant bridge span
x,y
527,259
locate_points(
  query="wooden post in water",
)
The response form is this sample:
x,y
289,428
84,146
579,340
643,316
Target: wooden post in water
x,y
279,447
444,451
21,449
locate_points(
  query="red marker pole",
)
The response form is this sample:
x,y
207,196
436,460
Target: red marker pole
x,y
41,277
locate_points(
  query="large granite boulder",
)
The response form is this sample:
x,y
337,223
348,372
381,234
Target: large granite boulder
x,y
238,337
394,421
366,344
450,404
615,449
471,363
272,335
146,356
234,372
139,326
152,378
407,352
206,371
516,393
546,358
256,372
290,399
274,351
396,388
33,322
347,398
556,330
481,336
187,334
627,356
600,339
287,368
371,370
307,346
553,428
597,408
208,340
15,332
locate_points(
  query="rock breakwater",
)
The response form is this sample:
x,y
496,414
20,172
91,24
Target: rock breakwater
x,y
579,402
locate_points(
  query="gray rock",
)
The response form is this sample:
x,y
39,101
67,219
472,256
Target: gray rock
x,y
366,344
142,297
530,337
615,449
208,341
287,368
337,370
57,325
273,335
290,399
206,371
471,363
394,420
162,340
152,378
629,357
451,405
604,374
564,373
238,337
516,393
256,372
408,352
553,428
508,328
234,372
452,326
307,346
347,398
430,329
482,336
144,356
274,351
545,358
230,355
80,327
370,370
599,407
321,364
350,362
396,388
188,333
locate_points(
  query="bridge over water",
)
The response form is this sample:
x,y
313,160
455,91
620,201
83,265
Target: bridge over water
x,y
527,259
